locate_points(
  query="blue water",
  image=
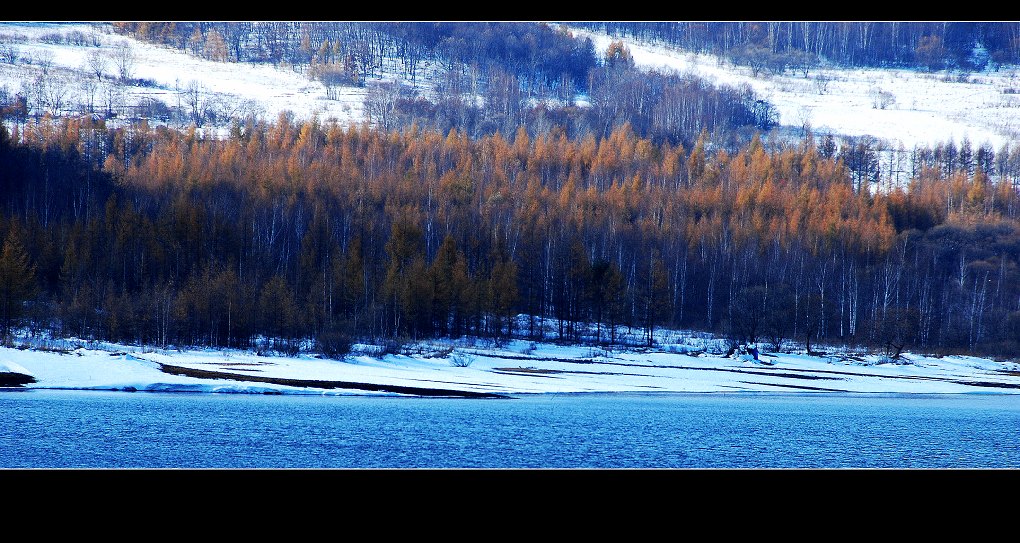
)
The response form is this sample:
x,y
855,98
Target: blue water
x,y
92,429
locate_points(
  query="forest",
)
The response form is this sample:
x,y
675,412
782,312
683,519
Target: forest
x,y
289,236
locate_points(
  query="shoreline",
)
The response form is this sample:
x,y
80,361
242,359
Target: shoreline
x,y
468,370
515,395
324,384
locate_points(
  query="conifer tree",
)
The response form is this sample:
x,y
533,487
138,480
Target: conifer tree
x,y
441,273
406,251
17,280
504,296
279,314
607,297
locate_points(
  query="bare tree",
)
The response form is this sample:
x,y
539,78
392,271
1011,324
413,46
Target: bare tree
x,y
380,104
35,93
113,97
95,63
822,83
460,360
94,36
881,99
333,75
193,92
87,95
503,100
8,54
44,59
237,35
55,93
124,58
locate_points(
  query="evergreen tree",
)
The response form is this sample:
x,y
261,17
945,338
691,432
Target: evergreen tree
x,y
402,285
504,296
607,297
279,314
17,280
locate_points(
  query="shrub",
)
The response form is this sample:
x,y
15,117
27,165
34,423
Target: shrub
x,y
333,343
287,347
461,360
392,346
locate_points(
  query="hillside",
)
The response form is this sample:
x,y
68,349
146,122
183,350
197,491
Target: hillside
x,y
902,107
162,75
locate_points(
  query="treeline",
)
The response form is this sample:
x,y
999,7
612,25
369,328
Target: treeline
x,y
287,232
486,77
781,45
876,165
661,107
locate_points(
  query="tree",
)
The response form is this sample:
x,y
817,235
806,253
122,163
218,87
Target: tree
x,y
897,330
279,314
216,47
124,58
503,295
17,280
861,157
607,297
349,280
930,53
655,299
443,293
618,56
406,249
748,313
779,317
380,104
193,94
95,61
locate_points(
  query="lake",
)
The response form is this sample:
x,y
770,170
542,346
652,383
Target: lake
x,y
99,429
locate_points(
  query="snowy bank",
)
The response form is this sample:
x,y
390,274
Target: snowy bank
x,y
470,369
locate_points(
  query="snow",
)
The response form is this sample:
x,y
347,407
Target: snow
x,y
236,87
923,108
519,367
926,108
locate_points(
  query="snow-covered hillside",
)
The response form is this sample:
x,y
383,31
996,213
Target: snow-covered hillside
x,y
899,106
174,77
